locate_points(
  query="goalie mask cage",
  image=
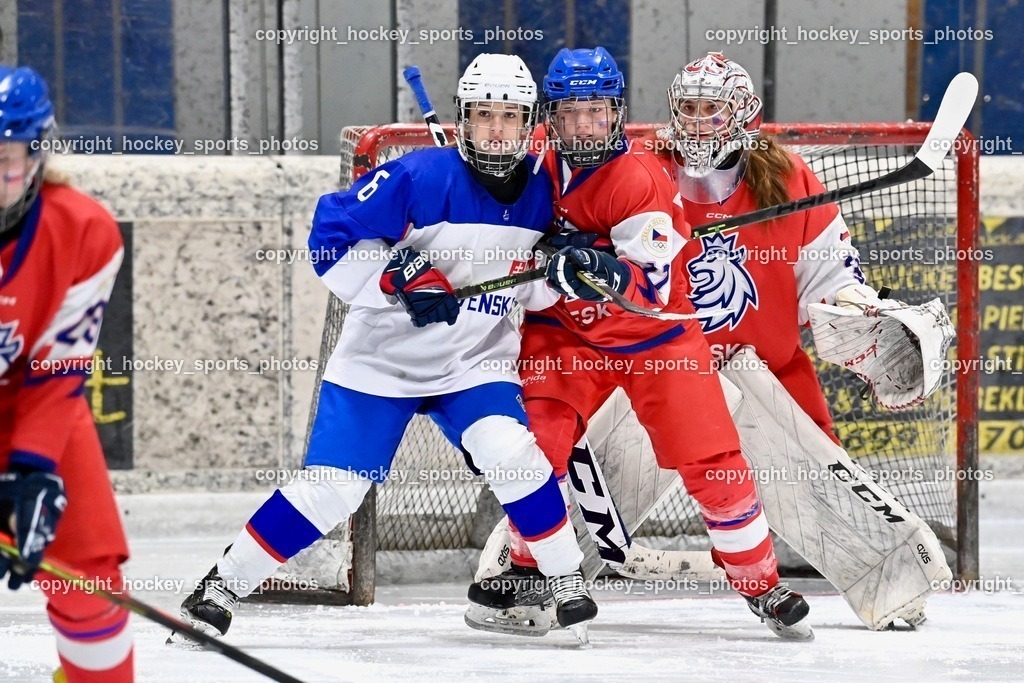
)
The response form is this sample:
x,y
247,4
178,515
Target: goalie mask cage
x,y
430,502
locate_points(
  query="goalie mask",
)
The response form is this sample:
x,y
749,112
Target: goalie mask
x,y
495,112
585,111
716,117
26,120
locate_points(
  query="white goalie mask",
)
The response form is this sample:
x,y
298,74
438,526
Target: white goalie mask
x,y
495,113
715,113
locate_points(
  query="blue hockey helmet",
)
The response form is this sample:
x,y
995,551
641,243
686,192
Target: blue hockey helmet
x,y
26,113
583,73
585,135
26,118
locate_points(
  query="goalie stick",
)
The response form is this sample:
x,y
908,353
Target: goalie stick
x,y
153,614
956,106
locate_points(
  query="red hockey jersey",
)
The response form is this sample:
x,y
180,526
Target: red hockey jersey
x,y
631,200
767,274
55,280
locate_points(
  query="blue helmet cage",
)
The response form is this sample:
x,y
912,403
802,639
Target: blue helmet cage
x,y
585,74
26,116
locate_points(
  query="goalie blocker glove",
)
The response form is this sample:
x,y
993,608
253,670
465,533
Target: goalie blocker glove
x,y
32,502
564,268
423,290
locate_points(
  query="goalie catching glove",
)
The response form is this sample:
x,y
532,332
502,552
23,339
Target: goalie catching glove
x,y
564,268
423,290
896,348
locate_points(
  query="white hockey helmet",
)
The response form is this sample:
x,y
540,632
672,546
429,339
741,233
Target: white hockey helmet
x,y
705,139
493,81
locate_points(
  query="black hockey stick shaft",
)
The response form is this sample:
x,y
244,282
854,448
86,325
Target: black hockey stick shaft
x,y
131,604
915,170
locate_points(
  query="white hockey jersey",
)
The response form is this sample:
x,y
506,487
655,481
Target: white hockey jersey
x,y
429,201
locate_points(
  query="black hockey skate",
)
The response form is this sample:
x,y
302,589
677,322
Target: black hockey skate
x,y
515,587
784,611
573,605
208,608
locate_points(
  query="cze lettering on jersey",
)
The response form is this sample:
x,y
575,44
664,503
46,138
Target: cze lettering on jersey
x,y
489,304
588,315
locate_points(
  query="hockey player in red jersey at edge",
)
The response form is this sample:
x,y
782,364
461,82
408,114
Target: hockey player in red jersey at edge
x,y
724,167
624,223
59,255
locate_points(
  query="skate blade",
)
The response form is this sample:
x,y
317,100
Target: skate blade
x,y
801,630
582,633
182,642
516,621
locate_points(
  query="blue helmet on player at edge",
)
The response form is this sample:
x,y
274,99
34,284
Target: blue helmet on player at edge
x,y
586,135
26,117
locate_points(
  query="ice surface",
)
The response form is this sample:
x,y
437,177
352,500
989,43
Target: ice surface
x,y
416,633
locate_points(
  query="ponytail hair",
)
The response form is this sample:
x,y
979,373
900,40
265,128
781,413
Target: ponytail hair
x,y
768,169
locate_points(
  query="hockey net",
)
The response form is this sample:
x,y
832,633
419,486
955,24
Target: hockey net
x,y
431,502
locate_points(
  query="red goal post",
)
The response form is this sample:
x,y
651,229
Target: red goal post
x,y
940,211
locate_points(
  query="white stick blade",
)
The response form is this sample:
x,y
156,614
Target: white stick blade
x,y
955,108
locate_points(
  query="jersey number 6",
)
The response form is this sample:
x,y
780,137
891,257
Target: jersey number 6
x,y
371,186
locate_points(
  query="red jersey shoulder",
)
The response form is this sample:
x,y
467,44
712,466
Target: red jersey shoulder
x,y
78,226
804,183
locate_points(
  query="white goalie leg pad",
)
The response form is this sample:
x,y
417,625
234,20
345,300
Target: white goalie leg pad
x,y
626,457
496,556
882,558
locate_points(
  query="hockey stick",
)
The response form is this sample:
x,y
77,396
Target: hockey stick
x,y
152,613
415,80
954,109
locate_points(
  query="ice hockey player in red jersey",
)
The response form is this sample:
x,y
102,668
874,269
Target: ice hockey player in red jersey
x,y
723,168
769,273
621,211
59,254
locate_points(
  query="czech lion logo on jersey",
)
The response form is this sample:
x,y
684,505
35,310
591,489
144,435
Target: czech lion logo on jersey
x,y
718,279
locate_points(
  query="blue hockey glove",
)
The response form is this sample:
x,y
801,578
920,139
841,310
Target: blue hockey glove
x,y
563,268
423,290
32,502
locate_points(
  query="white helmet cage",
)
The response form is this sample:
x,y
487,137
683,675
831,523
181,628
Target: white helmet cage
x,y
702,142
495,79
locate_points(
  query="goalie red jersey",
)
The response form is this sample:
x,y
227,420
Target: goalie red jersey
x,y
766,274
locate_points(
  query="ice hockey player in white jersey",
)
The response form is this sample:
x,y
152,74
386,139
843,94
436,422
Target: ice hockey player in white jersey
x,y
392,247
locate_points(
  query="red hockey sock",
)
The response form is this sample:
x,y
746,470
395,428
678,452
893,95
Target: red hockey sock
x,y
94,637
